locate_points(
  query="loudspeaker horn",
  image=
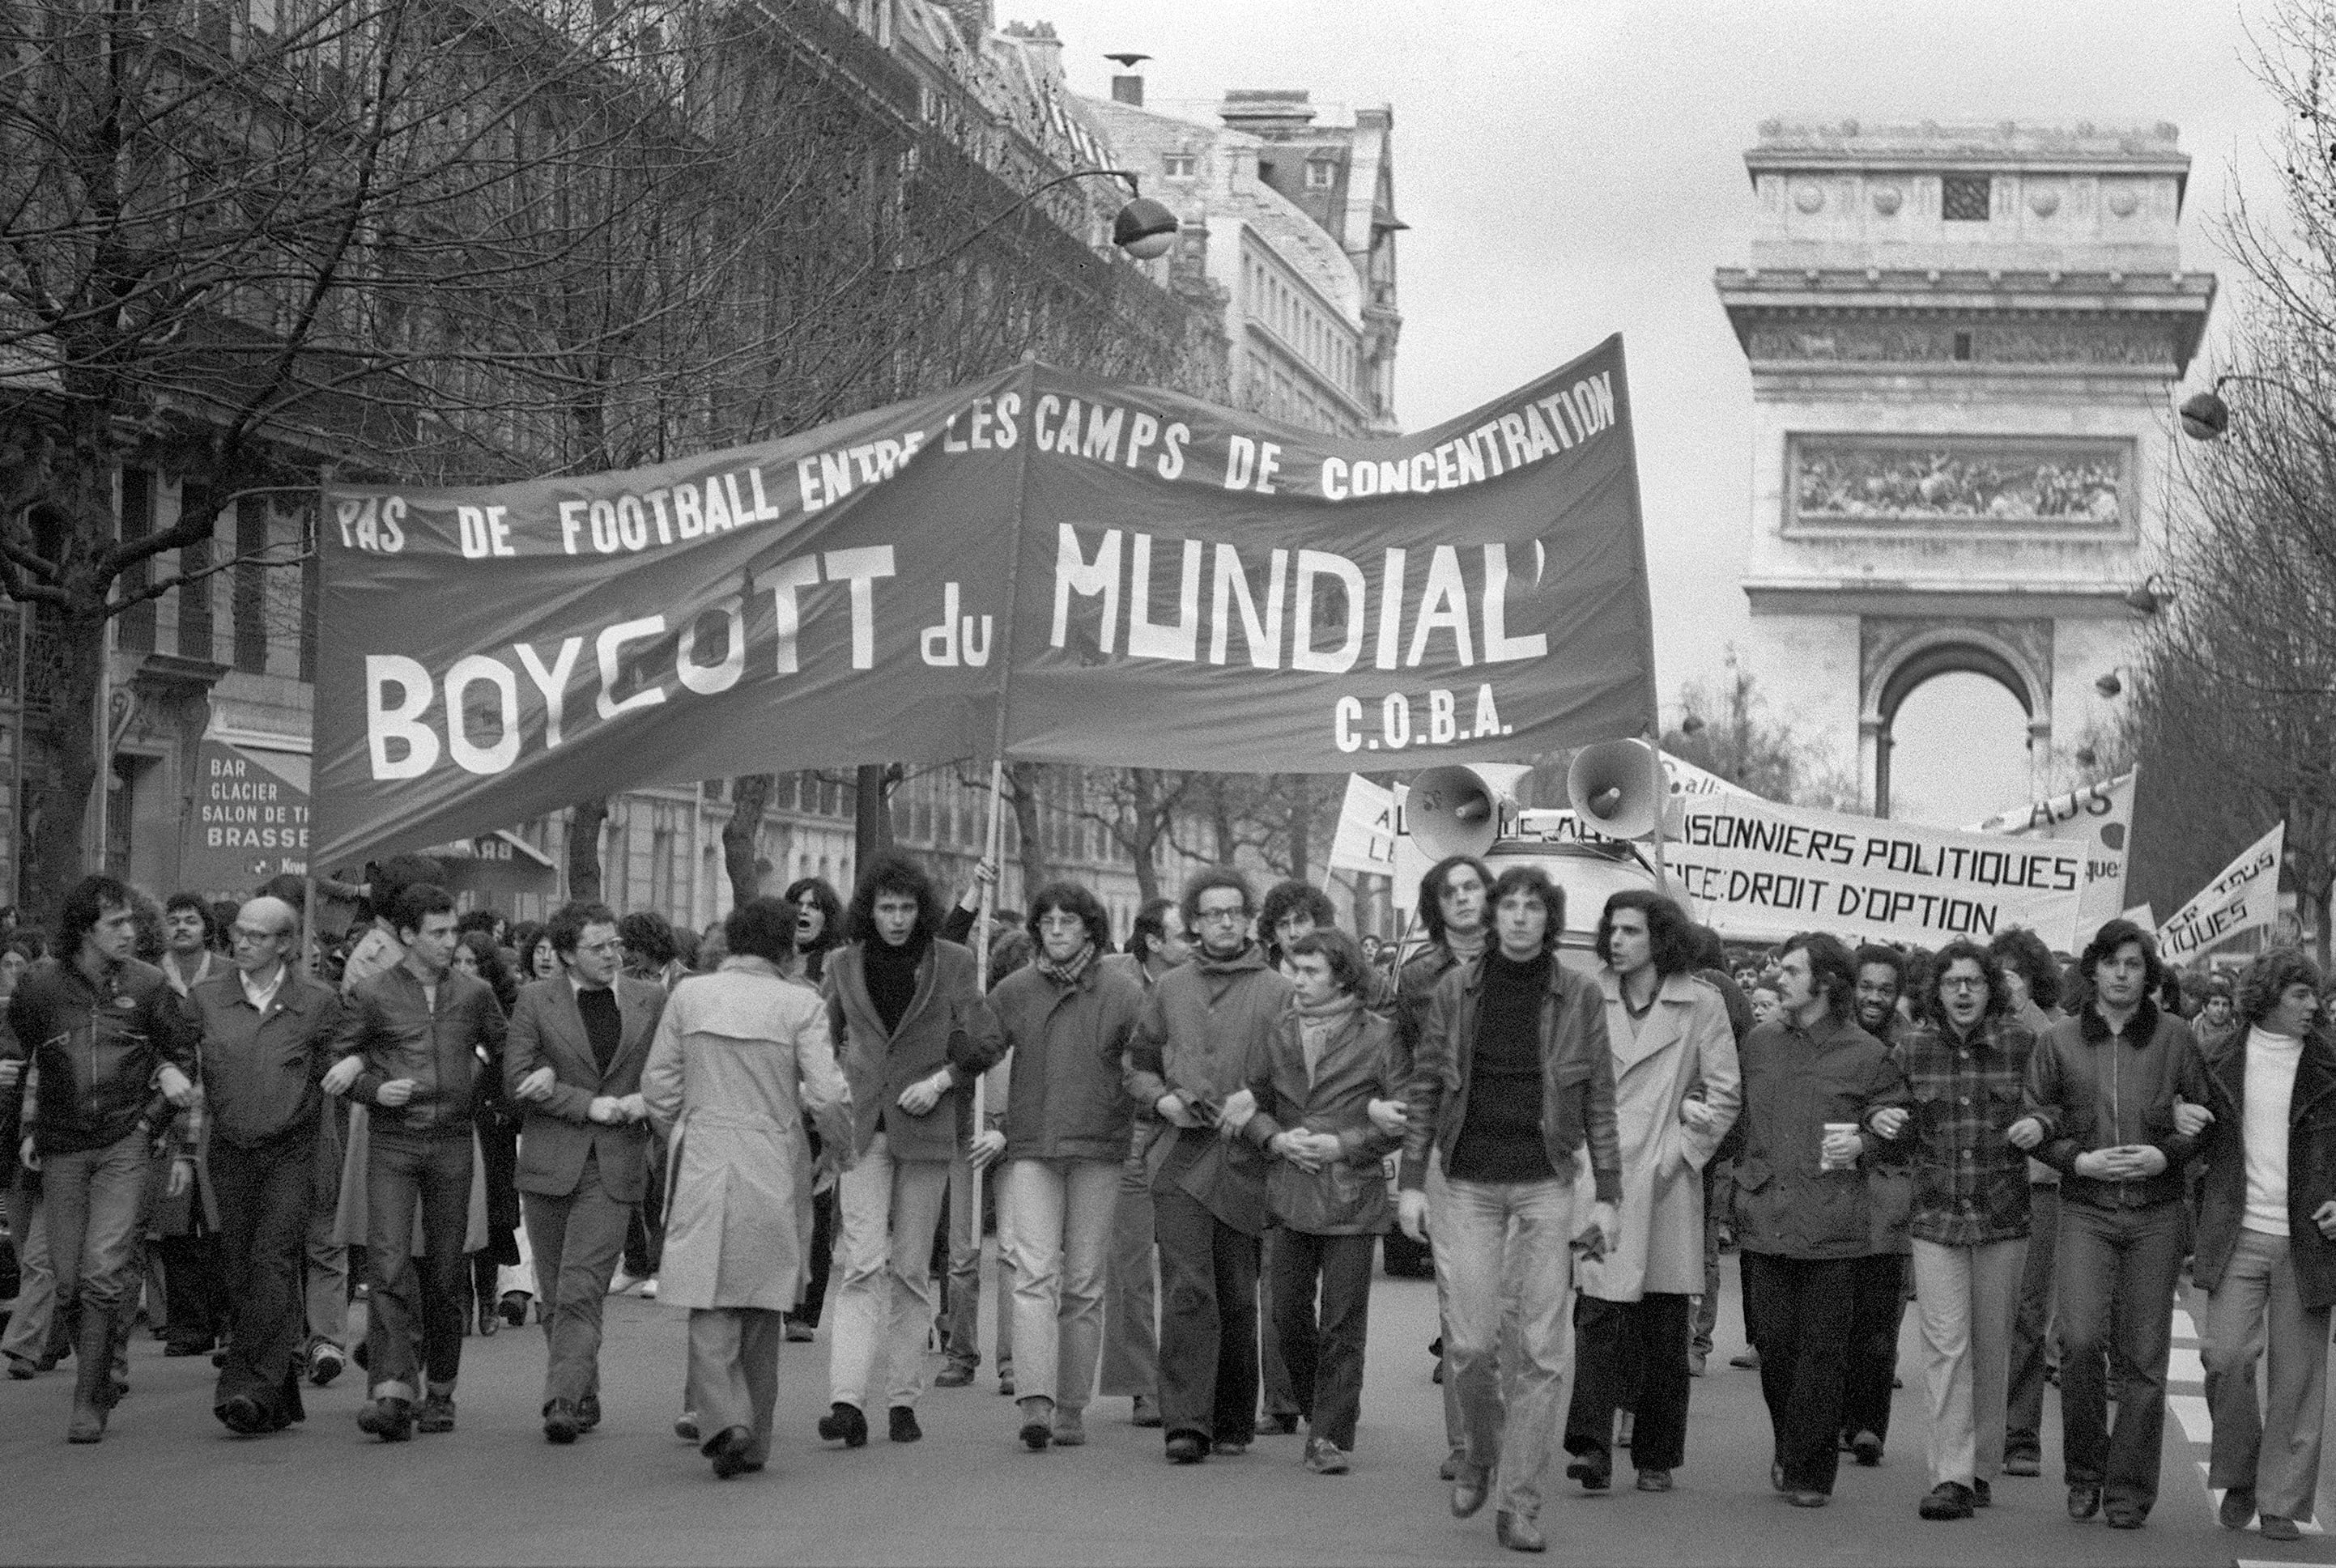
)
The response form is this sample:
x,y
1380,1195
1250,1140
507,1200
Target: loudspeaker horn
x,y
1459,810
1616,788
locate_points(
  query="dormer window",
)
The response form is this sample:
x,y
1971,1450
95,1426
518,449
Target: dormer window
x,y
1178,165
1321,173
1965,197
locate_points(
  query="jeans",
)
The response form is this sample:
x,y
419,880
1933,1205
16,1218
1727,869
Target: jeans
x,y
1800,1311
1323,1346
1504,1252
1131,1301
263,1202
1208,1319
1280,1397
328,1282
2258,1304
576,1239
961,1294
1965,1298
2033,1333
2118,1269
733,1370
402,1170
1873,1366
1455,1430
1057,1217
96,1199
35,1324
1707,1305
884,1303
1633,1351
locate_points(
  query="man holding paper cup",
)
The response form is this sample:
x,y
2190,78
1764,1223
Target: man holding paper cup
x,y
1815,1088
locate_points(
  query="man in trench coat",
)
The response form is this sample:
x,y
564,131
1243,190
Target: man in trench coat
x,y
741,1056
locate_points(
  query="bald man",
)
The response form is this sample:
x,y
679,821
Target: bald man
x,y
267,1035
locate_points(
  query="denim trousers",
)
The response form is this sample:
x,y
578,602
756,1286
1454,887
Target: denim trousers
x,y
1505,1256
2033,1334
2271,1442
576,1238
1131,1293
96,1203
1208,1319
884,1299
961,1291
1321,1289
1800,1311
434,1171
1631,1355
263,1191
35,1324
2117,1271
1966,1299
1057,1217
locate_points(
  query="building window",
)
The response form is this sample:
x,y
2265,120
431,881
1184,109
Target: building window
x,y
1321,174
250,598
135,631
1178,165
195,600
1964,197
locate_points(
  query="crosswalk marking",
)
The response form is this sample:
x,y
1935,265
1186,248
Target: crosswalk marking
x,y
2190,1410
2183,1366
2184,1326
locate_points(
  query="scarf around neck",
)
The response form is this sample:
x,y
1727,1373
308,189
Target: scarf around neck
x,y
1065,973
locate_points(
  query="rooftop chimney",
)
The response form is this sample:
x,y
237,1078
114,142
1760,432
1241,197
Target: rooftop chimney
x,y
1128,87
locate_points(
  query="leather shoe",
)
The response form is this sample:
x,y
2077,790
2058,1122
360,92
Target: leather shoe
x,y
1518,1533
2238,1508
1807,1500
843,1421
1947,1500
588,1411
1469,1488
2022,1465
489,1320
1594,1471
1981,1497
2275,1528
1654,1480
1867,1449
2084,1502
1187,1447
561,1422
242,1416
728,1448
2126,1516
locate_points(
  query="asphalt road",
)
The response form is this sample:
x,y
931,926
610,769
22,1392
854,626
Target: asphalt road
x,y
167,1487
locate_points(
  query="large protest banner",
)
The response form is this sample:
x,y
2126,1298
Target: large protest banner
x,y
2100,817
1760,871
2244,898
1088,572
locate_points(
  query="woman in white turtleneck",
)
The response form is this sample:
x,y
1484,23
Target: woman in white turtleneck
x,y
2266,1245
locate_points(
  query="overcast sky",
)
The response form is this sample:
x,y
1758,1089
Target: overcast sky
x,y
1570,170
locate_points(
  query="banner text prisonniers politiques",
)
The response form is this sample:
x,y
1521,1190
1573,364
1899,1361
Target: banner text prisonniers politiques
x,y
1100,574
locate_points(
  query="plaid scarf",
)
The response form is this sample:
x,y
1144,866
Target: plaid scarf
x,y
1067,973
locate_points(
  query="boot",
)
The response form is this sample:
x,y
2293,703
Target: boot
x,y
93,1393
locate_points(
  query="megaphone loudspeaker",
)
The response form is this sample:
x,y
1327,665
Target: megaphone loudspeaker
x,y
1616,788
1456,811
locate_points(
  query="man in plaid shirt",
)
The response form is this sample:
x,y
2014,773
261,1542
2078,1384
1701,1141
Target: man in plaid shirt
x,y
1968,1135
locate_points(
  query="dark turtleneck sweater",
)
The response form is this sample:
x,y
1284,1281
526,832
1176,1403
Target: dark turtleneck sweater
x,y
1500,1135
892,974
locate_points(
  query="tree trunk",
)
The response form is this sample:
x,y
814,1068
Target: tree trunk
x,y
742,836
59,855
871,815
1024,780
1301,824
584,848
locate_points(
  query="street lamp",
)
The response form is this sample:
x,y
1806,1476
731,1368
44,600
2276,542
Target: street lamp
x,y
2109,685
2155,592
1143,228
1690,724
2205,416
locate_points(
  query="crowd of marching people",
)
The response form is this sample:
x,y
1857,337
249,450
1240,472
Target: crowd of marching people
x,y
1200,1141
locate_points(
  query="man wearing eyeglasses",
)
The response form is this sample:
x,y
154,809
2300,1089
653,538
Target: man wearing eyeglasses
x,y
266,1044
1189,1062
573,1062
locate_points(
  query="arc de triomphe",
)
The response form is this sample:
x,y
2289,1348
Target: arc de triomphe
x,y
1961,340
